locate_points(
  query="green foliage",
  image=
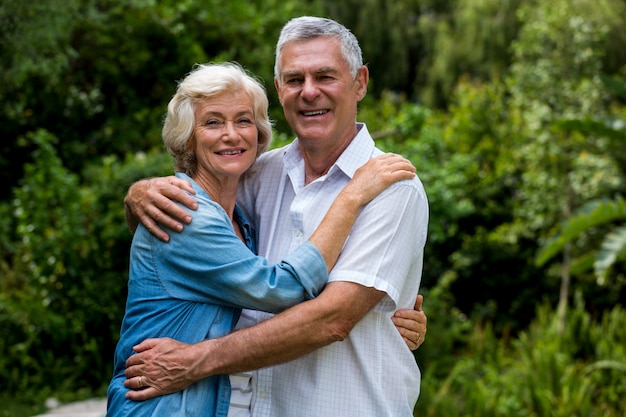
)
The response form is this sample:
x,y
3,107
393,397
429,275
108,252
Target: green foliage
x,y
48,254
593,214
519,124
60,307
100,74
613,248
470,40
13,407
438,356
598,213
543,372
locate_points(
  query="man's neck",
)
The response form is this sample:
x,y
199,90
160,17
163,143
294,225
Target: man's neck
x,y
319,159
317,165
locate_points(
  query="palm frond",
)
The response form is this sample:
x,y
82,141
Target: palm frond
x,y
612,247
595,213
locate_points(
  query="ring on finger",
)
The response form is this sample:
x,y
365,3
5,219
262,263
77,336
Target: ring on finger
x,y
419,336
140,381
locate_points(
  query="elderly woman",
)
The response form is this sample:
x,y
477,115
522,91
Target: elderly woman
x,y
193,287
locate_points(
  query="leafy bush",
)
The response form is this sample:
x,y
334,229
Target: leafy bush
x,y
579,370
63,292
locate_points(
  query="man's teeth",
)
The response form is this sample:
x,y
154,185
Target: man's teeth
x,y
314,113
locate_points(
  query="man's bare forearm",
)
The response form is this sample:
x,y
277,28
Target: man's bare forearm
x,y
289,335
274,341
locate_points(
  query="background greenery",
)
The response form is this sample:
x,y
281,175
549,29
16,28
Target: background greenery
x,y
514,112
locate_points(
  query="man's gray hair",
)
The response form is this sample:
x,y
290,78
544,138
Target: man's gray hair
x,y
310,27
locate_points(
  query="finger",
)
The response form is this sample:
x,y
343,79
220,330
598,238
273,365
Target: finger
x,y
418,318
175,189
395,158
401,162
398,164
419,300
167,212
183,184
419,342
137,358
143,394
411,343
391,174
404,321
403,174
154,228
411,330
147,345
421,338
407,327
132,371
137,383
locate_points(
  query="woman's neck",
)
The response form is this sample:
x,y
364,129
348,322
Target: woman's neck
x,y
223,193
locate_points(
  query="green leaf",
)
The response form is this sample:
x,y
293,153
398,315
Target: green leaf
x,y
593,214
613,246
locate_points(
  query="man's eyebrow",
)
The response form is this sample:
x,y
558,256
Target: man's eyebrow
x,y
325,70
290,74
296,73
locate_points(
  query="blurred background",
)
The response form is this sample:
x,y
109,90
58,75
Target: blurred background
x,y
513,111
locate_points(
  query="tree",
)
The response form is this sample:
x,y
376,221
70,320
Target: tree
x,y
602,214
556,74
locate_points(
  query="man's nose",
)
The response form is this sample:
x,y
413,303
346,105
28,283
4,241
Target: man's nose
x,y
310,89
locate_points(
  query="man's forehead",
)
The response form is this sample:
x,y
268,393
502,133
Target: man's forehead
x,y
316,56
314,70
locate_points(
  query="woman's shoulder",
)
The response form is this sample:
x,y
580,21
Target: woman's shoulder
x,y
209,212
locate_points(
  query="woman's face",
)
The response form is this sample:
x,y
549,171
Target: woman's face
x,y
226,136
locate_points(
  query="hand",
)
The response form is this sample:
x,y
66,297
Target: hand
x,y
152,203
377,174
160,366
412,324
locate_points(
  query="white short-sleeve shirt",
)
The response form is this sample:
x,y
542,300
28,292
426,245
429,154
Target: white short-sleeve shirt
x,y
372,372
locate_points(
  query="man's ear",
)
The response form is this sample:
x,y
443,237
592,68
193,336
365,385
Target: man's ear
x,y
362,78
278,90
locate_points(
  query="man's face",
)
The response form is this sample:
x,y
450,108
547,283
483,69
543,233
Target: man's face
x,y
317,92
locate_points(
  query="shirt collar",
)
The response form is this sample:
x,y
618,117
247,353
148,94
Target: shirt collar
x,y
358,152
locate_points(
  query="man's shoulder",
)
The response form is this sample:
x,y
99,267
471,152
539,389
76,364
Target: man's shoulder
x,y
269,163
272,156
414,183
